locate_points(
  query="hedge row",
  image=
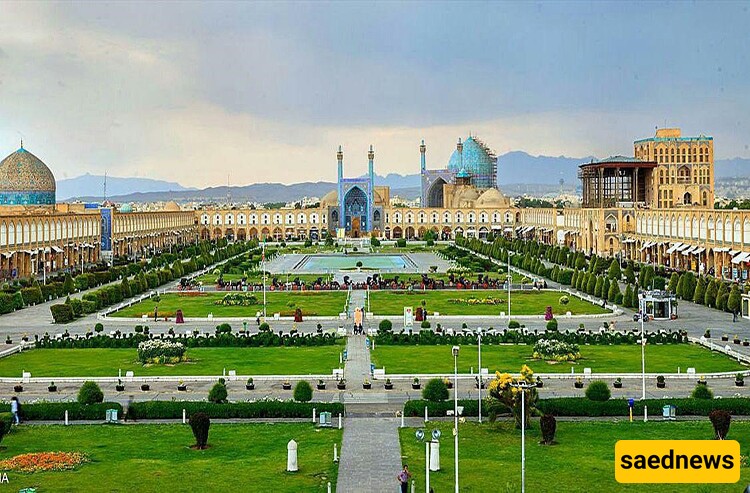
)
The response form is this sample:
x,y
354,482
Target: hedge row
x,y
415,408
262,339
257,409
425,338
55,411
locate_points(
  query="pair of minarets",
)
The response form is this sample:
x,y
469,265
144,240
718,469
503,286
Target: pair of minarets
x,y
370,164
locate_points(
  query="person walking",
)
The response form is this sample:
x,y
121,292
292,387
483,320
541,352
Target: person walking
x,y
156,312
15,409
403,479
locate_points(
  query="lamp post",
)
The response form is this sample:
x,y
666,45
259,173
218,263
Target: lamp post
x,y
643,348
479,348
524,387
263,259
455,413
510,280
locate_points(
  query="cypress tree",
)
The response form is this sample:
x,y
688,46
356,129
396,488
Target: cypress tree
x,y
629,273
614,270
700,291
591,286
710,297
721,297
734,301
673,281
598,287
628,299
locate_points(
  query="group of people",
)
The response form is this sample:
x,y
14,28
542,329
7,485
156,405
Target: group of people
x,y
359,316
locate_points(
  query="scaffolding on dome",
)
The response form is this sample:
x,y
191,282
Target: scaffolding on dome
x,y
488,180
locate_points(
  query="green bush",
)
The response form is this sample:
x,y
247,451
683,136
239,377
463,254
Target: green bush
x,y
415,408
6,422
218,393
62,313
90,393
200,423
548,425
513,324
435,390
702,391
401,242
244,410
552,324
7,303
598,390
576,406
32,296
55,411
303,391
425,324
385,325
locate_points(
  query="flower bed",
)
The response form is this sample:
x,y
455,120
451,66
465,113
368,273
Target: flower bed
x,y
476,301
160,351
556,350
44,461
238,299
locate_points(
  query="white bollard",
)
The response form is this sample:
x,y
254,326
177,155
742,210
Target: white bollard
x,y
340,425
329,487
313,415
335,453
119,373
413,486
426,418
66,417
402,420
341,358
435,456
184,416
291,456
645,414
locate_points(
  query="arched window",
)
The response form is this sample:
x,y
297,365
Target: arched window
x,y
376,216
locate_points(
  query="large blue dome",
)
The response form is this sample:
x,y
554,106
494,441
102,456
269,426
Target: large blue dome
x,y
26,180
478,160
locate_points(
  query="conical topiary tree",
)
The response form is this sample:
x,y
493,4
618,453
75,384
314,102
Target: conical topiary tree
x,y
710,297
629,273
627,301
614,270
735,300
673,281
700,291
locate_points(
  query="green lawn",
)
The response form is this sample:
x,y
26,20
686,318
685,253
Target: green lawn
x,y
328,303
522,302
202,361
256,277
240,457
624,358
581,462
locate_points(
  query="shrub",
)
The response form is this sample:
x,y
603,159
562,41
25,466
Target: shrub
x,y
200,423
90,393
552,324
218,393
55,411
513,324
98,327
374,242
303,391
435,390
401,242
425,324
385,325
32,296
255,409
548,425
160,351
720,420
264,327
61,313
6,422
550,349
702,391
598,390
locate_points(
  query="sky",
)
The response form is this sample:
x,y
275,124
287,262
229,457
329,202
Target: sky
x,y
210,93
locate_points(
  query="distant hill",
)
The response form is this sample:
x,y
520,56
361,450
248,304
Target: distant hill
x,y
86,184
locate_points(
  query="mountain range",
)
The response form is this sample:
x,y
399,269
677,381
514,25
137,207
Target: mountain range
x,y
518,172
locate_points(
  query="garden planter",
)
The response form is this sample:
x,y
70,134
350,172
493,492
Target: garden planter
x,y
145,387
341,386
739,383
702,382
578,385
18,388
286,386
389,386
476,385
449,385
182,388
746,343
321,386
416,386
617,385
52,388
539,384
736,341
724,338
120,388
250,386
661,385
366,386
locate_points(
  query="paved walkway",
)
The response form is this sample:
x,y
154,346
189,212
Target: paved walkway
x,y
357,361
370,456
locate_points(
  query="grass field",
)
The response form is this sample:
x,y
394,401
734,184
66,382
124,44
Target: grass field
x,y
328,303
522,302
240,457
202,361
601,359
581,462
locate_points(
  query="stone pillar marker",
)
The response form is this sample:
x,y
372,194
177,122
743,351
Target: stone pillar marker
x,y
291,457
435,455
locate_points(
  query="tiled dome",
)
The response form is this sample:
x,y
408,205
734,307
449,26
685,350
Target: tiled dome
x,y
477,160
26,180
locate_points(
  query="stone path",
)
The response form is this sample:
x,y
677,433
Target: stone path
x,y
357,361
370,456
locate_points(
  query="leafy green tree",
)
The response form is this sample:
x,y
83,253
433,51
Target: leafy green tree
x,y
614,270
700,292
598,287
629,273
68,284
435,390
628,299
614,291
303,391
722,295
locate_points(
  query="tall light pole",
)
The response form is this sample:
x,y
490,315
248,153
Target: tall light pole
x,y
524,387
263,259
510,280
455,412
479,347
643,348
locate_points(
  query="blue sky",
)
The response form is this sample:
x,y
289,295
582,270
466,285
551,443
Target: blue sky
x,y
205,93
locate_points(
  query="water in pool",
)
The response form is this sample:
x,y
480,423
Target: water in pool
x,y
324,263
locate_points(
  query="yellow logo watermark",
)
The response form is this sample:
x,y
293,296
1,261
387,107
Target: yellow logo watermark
x,y
677,461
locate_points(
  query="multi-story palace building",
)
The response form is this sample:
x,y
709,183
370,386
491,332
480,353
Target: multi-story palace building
x,y
655,207
36,233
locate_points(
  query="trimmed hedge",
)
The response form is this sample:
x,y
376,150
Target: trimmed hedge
x,y
55,411
576,406
62,313
415,408
257,409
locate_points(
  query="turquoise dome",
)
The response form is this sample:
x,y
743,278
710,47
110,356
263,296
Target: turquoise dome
x,y
125,208
26,180
478,161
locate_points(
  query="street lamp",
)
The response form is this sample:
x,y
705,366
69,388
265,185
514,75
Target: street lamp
x,y
510,280
479,348
455,412
524,387
643,347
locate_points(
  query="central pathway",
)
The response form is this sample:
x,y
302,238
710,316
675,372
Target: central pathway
x,y
370,456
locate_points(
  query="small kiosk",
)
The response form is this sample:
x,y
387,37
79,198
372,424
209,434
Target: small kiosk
x,y
658,305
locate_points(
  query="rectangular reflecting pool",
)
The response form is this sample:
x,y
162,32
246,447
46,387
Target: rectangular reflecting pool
x,y
325,263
